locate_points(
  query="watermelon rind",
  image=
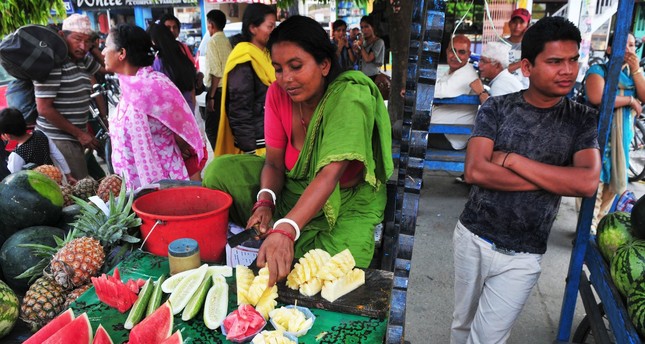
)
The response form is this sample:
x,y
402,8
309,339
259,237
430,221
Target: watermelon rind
x,y
78,331
101,336
15,259
627,265
31,198
155,328
614,231
8,309
52,327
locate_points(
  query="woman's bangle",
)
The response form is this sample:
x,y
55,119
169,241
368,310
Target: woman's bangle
x,y
285,233
290,222
506,156
631,100
266,190
638,71
263,203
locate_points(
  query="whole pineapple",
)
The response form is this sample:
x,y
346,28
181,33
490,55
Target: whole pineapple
x,y
85,188
78,261
43,302
52,172
109,184
75,294
67,191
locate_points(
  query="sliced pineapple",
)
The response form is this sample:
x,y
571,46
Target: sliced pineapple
x,y
307,268
244,277
339,265
258,286
312,287
332,290
267,301
290,319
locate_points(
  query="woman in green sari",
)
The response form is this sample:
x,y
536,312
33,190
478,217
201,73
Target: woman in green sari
x,y
328,156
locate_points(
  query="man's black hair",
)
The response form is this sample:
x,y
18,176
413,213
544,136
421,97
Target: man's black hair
x,y
217,18
12,122
545,30
338,23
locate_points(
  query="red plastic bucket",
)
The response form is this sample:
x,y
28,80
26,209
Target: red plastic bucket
x,y
185,212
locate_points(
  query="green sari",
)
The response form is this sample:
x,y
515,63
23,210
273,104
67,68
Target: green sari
x,y
350,123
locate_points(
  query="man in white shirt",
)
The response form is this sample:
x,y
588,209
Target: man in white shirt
x,y
493,66
455,83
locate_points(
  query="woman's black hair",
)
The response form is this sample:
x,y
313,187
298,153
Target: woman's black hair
x,y
254,14
368,20
611,40
12,122
311,37
337,24
136,42
175,62
545,30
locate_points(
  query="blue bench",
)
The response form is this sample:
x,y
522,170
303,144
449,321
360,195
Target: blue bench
x,y
449,160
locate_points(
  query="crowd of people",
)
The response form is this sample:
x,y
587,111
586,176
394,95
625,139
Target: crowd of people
x,y
302,138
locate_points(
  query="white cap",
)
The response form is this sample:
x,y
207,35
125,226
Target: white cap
x,y
354,26
497,51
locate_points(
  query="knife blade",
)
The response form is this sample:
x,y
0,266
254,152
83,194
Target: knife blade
x,y
243,236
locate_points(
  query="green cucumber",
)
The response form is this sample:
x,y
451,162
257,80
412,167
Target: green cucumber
x,y
196,302
216,304
139,307
157,294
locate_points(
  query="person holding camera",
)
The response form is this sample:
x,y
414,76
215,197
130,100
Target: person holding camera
x,y
370,48
340,41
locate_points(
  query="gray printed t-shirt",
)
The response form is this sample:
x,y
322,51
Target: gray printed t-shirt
x,y
521,221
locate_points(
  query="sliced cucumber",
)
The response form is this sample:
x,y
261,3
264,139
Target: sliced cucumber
x,y
195,304
155,298
186,288
139,307
216,303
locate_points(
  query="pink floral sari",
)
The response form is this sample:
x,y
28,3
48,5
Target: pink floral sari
x,y
142,130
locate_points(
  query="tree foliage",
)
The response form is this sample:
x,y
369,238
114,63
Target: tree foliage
x,y
16,13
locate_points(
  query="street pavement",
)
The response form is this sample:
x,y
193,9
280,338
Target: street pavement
x,y
430,292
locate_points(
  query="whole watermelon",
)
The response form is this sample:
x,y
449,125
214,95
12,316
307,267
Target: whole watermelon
x,y
636,305
627,265
8,309
14,259
638,219
31,198
614,230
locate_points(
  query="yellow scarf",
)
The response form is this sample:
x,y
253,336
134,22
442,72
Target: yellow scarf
x,y
261,63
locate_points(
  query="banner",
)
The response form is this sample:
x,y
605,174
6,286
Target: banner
x,y
113,4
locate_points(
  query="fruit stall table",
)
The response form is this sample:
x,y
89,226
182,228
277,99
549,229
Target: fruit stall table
x,y
329,327
607,308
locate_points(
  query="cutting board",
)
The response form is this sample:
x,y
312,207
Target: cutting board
x,y
372,299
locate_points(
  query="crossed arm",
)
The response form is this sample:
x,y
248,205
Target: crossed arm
x,y
508,171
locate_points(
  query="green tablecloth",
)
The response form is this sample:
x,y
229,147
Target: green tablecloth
x,y
339,327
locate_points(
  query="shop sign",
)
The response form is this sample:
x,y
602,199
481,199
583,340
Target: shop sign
x,y
107,4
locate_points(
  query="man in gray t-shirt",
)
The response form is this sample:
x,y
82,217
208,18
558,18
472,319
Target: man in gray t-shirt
x,y
527,150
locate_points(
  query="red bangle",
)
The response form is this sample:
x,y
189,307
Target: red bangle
x,y
285,233
263,203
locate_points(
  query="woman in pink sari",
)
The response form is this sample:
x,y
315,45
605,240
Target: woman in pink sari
x,y
153,130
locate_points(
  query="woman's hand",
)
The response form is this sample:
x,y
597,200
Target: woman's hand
x,y
261,218
636,106
185,149
632,60
276,252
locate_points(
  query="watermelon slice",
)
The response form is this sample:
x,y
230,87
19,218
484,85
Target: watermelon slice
x,y
174,339
79,331
116,294
101,336
52,327
243,323
155,328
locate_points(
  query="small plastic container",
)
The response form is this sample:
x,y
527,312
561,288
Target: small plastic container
x,y
285,334
183,254
246,339
308,315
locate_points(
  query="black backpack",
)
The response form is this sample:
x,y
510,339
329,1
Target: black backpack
x,y
32,51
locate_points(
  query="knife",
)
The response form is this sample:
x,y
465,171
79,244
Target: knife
x,y
243,236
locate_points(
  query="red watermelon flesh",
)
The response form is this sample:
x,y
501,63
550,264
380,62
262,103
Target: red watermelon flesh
x,y
52,327
174,339
155,328
79,331
243,322
113,292
101,336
